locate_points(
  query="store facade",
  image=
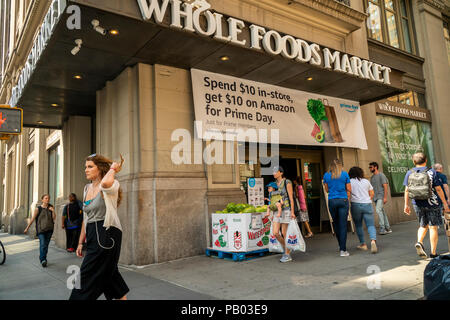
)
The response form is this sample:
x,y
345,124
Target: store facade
x,y
130,88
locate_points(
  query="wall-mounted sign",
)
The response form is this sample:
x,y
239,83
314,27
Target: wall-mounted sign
x,y
230,108
393,108
255,191
11,120
51,18
197,18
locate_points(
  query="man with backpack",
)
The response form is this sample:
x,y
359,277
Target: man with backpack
x,y
425,190
45,219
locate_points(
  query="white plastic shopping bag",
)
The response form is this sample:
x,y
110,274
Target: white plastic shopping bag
x,y
294,239
274,245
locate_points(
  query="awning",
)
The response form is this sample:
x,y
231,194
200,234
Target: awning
x,y
102,58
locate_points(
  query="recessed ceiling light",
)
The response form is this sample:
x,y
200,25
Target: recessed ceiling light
x,y
78,77
55,105
40,122
114,32
309,78
224,58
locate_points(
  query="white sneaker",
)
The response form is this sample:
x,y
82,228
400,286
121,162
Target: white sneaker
x,y
344,253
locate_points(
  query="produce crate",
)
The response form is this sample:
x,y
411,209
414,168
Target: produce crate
x,y
240,232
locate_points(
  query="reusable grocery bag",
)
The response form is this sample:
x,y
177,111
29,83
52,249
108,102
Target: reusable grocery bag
x,y
294,239
274,245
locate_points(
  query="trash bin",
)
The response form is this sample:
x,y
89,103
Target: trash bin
x,y
436,282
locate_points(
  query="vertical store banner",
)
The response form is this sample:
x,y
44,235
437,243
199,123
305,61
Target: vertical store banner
x,y
399,139
225,107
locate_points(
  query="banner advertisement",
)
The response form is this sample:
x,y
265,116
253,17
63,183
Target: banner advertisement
x,y
255,191
226,107
399,139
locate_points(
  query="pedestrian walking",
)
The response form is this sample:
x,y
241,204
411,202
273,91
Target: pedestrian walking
x,y
72,219
426,201
303,216
102,231
443,178
45,217
361,208
380,186
281,223
337,185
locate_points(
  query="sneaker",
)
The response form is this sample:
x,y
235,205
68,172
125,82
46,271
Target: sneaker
x,y
44,263
286,258
382,232
420,250
388,231
344,253
432,256
373,247
362,247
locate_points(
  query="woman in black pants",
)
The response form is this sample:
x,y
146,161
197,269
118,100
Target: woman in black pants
x,y
103,233
72,218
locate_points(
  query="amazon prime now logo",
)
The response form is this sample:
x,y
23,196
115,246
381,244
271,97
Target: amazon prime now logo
x,y
228,146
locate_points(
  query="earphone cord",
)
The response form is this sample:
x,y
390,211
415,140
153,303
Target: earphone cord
x,y
98,240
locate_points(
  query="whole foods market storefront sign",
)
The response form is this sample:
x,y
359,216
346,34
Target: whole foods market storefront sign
x,y
197,18
229,108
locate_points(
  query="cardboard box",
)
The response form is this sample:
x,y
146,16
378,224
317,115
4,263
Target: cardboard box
x,y
240,232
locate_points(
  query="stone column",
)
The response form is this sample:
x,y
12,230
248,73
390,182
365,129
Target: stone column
x,y
432,46
76,146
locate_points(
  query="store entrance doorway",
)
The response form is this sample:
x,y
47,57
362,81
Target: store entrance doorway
x,y
308,165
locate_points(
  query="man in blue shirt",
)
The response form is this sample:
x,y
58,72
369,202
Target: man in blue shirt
x,y
443,178
428,211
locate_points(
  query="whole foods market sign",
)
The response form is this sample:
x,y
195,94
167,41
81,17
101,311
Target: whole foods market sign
x,y
51,18
230,108
196,17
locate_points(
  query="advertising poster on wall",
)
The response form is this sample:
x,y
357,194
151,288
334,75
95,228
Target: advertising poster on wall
x,y
255,191
225,106
399,139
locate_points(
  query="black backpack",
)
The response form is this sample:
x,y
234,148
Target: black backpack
x,y
44,220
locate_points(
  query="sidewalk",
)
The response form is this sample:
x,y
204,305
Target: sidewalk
x,y
317,274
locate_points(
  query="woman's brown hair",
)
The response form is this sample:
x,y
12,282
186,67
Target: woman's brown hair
x,y
104,164
336,168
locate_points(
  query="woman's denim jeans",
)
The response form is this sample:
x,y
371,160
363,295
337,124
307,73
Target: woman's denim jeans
x,y
339,212
360,212
44,241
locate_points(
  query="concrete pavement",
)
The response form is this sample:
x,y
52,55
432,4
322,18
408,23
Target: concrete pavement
x,y
317,274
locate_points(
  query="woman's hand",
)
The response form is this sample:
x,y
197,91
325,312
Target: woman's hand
x,y
80,250
117,166
26,230
293,214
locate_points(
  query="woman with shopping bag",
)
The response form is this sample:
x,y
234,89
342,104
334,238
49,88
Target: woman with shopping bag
x,y
287,214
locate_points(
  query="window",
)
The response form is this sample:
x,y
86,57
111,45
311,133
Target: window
x,y
30,187
447,36
31,141
390,22
54,173
410,98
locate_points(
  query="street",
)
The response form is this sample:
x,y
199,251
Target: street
x,y
396,272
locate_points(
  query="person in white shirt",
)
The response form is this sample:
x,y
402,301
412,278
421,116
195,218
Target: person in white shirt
x,y
361,208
